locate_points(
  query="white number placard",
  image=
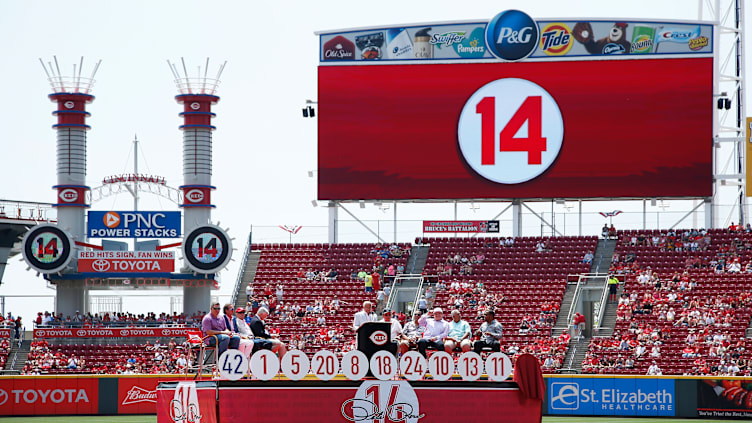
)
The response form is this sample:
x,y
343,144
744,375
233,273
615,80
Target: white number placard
x,y
233,365
413,365
325,365
441,365
470,366
384,365
264,365
295,364
355,365
498,366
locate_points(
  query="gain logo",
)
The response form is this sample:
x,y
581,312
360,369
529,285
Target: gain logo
x,y
111,219
68,195
194,196
512,35
556,39
379,337
391,401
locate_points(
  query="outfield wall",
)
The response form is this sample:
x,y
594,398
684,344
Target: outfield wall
x,y
663,396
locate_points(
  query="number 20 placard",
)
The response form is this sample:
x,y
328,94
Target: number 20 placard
x,y
510,131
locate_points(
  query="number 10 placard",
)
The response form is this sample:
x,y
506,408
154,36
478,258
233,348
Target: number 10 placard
x,y
510,131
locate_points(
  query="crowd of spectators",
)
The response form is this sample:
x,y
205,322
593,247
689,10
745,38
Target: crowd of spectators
x,y
47,319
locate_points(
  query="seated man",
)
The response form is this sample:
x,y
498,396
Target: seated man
x,y
436,331
396,327
411,333
214,324
458,335
248,343
490,333
259,331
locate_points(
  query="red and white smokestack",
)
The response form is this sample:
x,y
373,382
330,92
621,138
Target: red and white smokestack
x,y
71,93
197,97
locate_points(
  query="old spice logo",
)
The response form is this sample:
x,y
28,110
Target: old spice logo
x,y
138,394
339,48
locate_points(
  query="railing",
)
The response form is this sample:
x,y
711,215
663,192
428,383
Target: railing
x,y
241,270
393,292
575,297
601,307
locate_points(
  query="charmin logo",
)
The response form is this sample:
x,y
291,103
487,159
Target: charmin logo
x,y
138,394
390,401
698,43
68,195
379,337
565,396
80,332
111,219
512,35
556,39
3,396
100,265
339,48
613,48
447,38
194,196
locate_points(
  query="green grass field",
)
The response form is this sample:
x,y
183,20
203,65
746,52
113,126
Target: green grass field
x,y
152,419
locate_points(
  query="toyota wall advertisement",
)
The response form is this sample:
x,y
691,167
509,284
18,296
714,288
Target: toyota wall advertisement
x,y
518,126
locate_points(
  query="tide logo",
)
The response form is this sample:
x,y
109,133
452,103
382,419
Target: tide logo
x,y
194,196
379,337
556,39
68,195
111,219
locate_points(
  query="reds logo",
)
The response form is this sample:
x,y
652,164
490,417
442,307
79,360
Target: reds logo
x,y
194,196
68,195
379,337
69,104
100,265
195,106
138,394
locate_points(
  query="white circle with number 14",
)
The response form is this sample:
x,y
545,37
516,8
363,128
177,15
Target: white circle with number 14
x,y
412,365
510,131
354,365
233,365
264,365
295,364
498,366
384,365
325,365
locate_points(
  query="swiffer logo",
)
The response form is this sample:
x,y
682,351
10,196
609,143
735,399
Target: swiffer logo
x,y
565,396
512,35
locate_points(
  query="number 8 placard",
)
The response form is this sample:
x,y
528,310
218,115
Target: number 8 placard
x,y
510,131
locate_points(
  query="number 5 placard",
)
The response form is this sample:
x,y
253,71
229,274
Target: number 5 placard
x,y
510,131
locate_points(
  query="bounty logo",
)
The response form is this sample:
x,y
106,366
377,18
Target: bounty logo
x,y
473,46
565,396
111,219
512,35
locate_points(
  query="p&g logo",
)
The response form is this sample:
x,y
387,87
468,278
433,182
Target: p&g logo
x,y
565,396
512,35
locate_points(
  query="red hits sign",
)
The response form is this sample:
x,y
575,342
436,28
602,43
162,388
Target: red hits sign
x,y
126,261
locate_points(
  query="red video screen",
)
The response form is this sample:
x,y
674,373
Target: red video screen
x,y
567,129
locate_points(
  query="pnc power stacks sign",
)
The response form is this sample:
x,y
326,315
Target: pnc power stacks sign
x,y
133,224
516,108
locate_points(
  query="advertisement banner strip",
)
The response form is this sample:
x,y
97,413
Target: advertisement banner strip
x,y
463,226
110,332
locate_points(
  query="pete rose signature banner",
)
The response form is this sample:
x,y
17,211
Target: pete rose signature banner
x,y
465,226
126,261
626,128
109,332
343,401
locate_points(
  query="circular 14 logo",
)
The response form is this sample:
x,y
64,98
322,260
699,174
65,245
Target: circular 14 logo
x,y
512,35
510,131
207,249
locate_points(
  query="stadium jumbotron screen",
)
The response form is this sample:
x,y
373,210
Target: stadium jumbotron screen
x,y
569,121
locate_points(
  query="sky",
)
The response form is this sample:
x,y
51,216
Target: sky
x,y
263,147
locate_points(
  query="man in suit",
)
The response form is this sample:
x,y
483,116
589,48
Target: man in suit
x,y
259,331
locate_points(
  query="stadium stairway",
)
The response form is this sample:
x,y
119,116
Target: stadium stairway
x,y
249,274
417,260
19,354
603,253
575,354
563,319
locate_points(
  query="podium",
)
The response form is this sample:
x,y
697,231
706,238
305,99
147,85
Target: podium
x,y
374,337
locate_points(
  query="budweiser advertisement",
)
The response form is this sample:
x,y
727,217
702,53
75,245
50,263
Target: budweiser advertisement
x,y
134,332
467,226
126,261
48,395
137,395
580,128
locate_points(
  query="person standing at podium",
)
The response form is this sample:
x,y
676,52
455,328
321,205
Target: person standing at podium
x,y
364,316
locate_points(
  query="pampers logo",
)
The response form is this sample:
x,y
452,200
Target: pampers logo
x,y
512,35
473,46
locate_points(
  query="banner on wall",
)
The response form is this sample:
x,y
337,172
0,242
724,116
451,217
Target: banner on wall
x,y
611,396
722,398
135,332
463,226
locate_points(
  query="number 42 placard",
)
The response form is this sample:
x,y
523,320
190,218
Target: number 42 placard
x,y
510,131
